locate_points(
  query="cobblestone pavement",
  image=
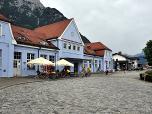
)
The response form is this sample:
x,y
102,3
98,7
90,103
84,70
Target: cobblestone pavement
x,y
115,94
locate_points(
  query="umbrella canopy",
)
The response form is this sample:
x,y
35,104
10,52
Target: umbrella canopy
x,y
63,62
41,61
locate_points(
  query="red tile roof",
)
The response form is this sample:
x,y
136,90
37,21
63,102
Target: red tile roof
x,y
34,38
90,51
4,18
101,52
54,30
96,47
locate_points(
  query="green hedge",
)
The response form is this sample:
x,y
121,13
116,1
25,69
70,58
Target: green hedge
x,y
148,77
142,78
149,72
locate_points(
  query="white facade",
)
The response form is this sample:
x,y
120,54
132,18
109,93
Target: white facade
x,y
120,58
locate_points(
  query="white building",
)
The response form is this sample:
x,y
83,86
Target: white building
x,y
121,61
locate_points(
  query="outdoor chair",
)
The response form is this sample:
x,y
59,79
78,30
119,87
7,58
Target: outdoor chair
x,y
42,75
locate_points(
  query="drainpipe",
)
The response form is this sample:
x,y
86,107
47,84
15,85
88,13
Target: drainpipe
x,y
38,57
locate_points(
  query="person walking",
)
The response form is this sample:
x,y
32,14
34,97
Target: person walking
x,y
68,71
84,71
124,69
107,71
88,71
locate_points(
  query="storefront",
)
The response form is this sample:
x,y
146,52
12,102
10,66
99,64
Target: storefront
x,y
19,46
23,54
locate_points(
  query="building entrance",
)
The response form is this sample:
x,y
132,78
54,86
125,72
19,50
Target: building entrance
x,y
17,63
75,67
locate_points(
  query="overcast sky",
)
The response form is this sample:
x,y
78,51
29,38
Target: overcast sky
x,y
122,25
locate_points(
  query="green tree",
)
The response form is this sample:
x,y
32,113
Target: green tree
x,y
148,52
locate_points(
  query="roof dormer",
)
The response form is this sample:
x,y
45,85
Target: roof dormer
x,y
88,46
44,43
23,38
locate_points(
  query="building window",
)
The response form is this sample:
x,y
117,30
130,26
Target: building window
x,y
85,64
15,64
69,46
64,45
44,56
17,55
74,47
51,58
72,33
100,64
109,53
78,48
0,30
90,63
0,58
95,63
30,57
106,53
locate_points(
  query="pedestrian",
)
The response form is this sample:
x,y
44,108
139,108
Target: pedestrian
x,y
85,73
68,71
88,71
124,69
107,71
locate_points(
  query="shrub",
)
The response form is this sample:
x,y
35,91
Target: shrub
x,y
149,72
141,77
149,77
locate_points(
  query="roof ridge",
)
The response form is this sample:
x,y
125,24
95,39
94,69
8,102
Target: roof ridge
x,y
27,33
53,23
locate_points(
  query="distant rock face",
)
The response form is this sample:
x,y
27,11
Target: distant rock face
x,y
32,4
31,14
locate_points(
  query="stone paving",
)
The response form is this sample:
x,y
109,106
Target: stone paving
x,y
115,94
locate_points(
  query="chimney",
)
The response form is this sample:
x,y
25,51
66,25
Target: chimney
x,y
119,52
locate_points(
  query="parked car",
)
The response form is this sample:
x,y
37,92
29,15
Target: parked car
x,y
137,68
144,68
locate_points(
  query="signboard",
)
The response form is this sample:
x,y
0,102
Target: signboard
x,y
92,60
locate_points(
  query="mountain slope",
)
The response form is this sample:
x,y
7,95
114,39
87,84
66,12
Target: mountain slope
x,y
31,14
140,56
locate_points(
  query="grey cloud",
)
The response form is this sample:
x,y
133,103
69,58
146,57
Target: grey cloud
x,y
122,25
